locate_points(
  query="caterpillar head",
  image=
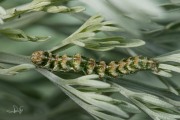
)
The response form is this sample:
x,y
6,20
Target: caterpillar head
x,y
37,57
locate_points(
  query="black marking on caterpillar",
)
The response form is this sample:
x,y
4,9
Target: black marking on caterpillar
x,y
78,63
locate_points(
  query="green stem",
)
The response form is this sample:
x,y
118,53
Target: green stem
x,y
62,47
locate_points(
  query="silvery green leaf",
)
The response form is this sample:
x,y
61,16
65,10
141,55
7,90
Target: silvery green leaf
x,y
147,98
63,9
169,67
105,116
57,9
108,28
51,1
39,1
19,35
77,9
100,104
130,108
165,116
14,33
108,107
81,103
148,108
171,101
172,56
108,23
78,43
124,105
92,21
96,19
101,97
173,26
94,111
156,115
95,48
95,24
128,14
86,32
16,69
1,21
163,73
93,28
83,35
38,38
38,5
112,42
88,82
2,12
90,77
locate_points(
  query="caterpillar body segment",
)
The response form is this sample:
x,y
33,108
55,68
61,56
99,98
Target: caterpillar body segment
x,y
78,63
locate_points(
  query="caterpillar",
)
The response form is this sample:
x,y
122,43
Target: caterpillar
x,y
77,63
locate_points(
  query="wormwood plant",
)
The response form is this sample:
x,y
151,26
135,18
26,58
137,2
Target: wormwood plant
x,y
128,97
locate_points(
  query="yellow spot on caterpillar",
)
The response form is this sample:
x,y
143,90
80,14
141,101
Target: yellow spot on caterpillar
x,y
63,62
77,61
101,69
112,68
90,65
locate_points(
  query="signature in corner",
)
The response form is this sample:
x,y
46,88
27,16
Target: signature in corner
x,y
16,109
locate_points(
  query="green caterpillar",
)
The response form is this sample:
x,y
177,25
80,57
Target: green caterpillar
x,y
78,63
